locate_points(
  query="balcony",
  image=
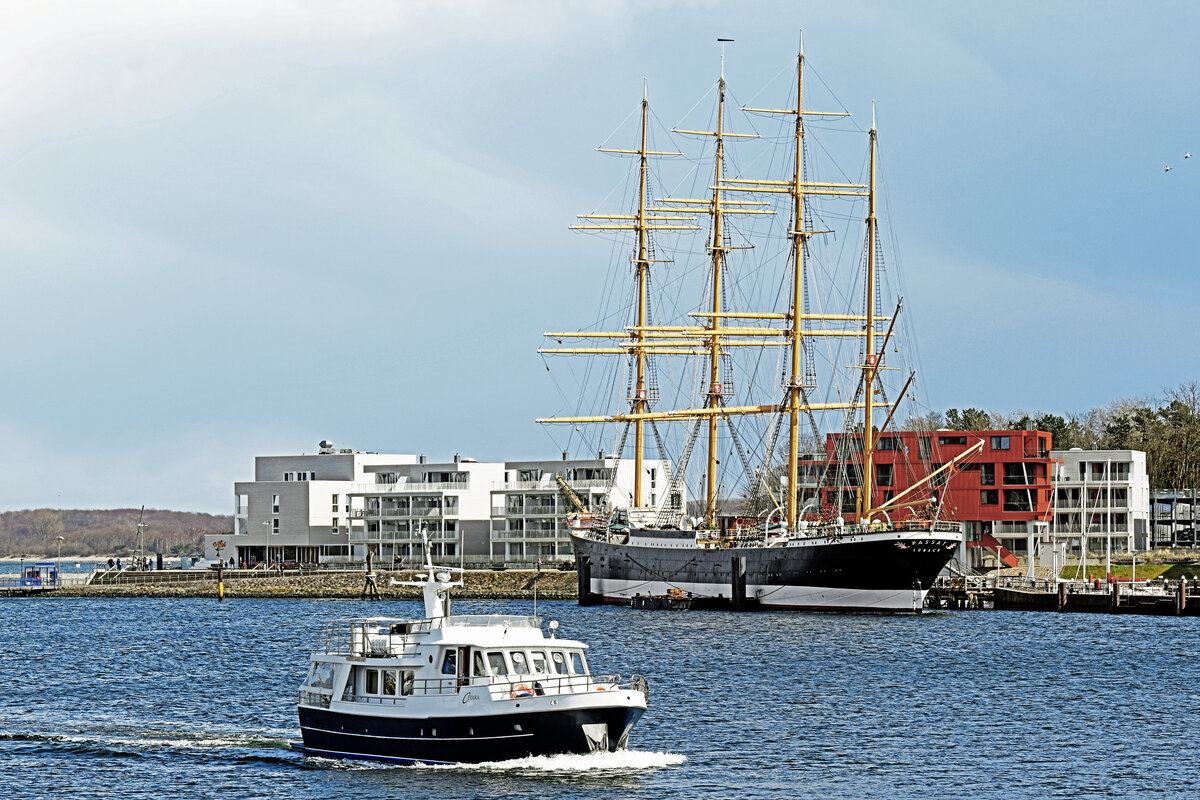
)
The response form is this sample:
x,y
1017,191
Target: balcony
x,y
546,484
404,488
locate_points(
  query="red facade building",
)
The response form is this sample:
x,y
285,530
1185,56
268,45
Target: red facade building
x,y
1000,492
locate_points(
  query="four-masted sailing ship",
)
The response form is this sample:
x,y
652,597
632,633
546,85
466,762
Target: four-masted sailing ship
x,y
824,535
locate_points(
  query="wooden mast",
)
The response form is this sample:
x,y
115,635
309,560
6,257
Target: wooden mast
x,y
797,344
639,336
871,365
717,250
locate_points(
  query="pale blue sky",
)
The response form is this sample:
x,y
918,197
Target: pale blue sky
x,y
230,229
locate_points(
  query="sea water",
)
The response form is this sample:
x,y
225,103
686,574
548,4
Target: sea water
x,y
196,699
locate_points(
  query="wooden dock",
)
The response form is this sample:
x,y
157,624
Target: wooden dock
x,y
1178,599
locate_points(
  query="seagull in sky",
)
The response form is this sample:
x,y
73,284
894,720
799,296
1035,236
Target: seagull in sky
x,y
1167,168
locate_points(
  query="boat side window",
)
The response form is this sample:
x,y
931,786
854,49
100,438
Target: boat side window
x,y
520,665
496,662
480,665
559,659
372,681
351,682
449,662
406,682
322,675
389,682
538,659
577,664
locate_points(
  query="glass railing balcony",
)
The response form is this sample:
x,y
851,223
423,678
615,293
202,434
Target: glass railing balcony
x,y
547,483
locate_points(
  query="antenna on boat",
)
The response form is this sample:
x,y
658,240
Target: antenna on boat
x,y
435,586
719,39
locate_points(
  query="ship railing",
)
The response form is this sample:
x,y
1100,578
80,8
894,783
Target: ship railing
x,y
498,687
379,637
879,526
538,684
386,637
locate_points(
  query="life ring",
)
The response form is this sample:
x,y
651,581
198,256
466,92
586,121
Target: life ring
x,y
522,690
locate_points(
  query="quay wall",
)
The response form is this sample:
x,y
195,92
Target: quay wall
x,y
479,585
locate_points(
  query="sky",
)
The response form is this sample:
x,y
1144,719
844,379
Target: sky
x,y
231,229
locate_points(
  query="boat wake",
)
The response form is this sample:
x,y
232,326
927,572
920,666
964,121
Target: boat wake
x,y
620,761
122,745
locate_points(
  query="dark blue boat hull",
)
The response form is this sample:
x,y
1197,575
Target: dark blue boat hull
x,y
449,740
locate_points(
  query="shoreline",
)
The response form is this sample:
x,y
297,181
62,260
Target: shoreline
x,y
479,585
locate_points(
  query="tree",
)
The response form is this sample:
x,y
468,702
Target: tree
x,y
47,525
970,419
1061,437
924,422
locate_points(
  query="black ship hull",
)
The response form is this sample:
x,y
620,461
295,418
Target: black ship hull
x,y
861,571
464,739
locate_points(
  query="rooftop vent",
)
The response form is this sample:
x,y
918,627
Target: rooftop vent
x,y
325,446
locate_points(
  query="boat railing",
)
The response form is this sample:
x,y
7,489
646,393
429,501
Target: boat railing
x,y
498,687
384,637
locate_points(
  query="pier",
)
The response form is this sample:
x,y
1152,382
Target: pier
x,y
1162,598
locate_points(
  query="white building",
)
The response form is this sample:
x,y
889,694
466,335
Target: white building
x,y
529,507
1101,500
333,505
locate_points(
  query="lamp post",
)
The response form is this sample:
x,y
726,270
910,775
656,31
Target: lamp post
x,y
58,568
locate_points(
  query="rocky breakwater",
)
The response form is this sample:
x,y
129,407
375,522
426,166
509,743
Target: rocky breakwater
x,y
513,584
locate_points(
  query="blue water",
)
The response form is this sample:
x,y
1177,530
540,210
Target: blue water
x,y
191,699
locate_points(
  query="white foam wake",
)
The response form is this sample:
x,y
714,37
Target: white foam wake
x,y
622,761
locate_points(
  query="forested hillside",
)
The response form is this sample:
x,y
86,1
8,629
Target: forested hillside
x,y
34,533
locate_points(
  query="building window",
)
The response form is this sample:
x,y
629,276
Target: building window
x,y
883,474
853,475
1000,442
940,478
888,443
275,525
275,503
1014,474
952,440
989,497
1017,500
987,474
335,503
336,527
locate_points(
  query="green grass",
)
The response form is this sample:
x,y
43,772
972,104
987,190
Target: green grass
x,y
1125,571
